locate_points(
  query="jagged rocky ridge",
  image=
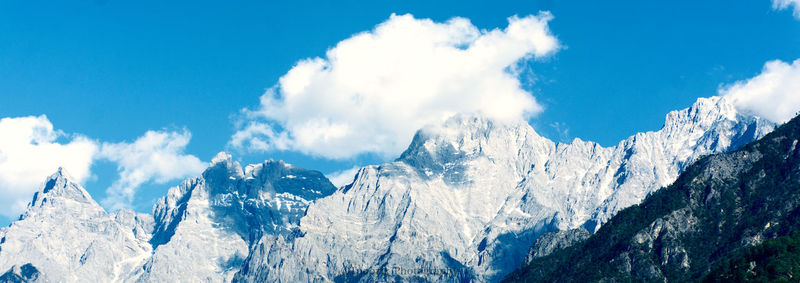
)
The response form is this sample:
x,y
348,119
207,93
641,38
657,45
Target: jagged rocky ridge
x,y
464,202
709,225
547,243
468,197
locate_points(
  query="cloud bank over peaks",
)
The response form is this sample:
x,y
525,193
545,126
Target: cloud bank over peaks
x,y
373,90
788,4
774,94
32,149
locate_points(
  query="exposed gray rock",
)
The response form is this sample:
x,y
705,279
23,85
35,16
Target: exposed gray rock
x,y
556,240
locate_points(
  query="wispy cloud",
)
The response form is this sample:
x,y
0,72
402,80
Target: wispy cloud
x,y
788,4
562,130
373,90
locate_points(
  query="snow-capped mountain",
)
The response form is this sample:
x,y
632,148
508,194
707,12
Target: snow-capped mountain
x,y
68,237
465,201
468,197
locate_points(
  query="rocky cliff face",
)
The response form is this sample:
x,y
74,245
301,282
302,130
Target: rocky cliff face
x,y
468,197
720,205
553,241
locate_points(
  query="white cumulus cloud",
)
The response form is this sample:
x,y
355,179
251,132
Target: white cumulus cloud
x,y
373,90
787,4
31,150
158,156
774,94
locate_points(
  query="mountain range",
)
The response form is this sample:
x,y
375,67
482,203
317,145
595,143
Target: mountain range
x,y
464,202
730,217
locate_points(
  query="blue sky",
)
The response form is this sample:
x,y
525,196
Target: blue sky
x,y
113,70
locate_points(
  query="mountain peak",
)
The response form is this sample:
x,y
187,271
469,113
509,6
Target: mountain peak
x,y
64,236
223,165
473,124
704,110
60,173
60,185
468,134
221,157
